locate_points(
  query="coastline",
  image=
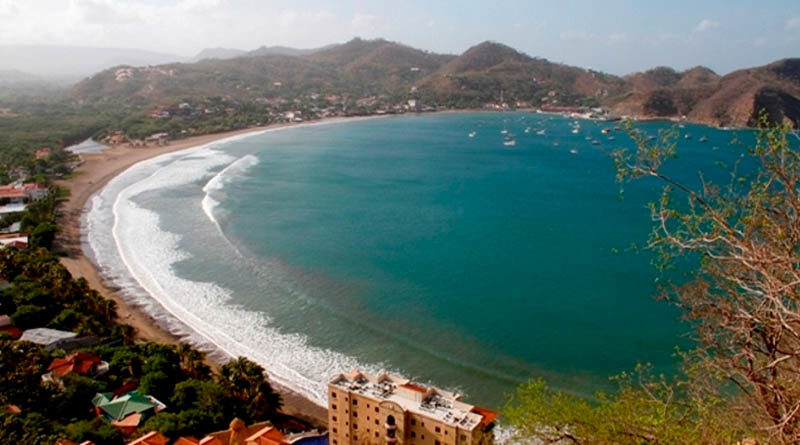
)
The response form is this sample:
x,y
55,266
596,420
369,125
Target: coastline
x,y
92,176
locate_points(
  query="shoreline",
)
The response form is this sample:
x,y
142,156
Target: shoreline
x,y
97,170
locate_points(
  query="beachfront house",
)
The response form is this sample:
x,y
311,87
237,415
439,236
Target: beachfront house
x,y
80,363
51,339
14,198
14,239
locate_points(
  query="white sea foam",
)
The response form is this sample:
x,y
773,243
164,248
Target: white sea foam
x,y
139,257
213,188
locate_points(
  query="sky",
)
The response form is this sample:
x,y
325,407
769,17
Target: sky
x,y
615,36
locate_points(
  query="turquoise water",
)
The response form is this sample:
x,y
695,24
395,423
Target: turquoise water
x,y
404,244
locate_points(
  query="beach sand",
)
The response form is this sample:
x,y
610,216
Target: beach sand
x,y
89,178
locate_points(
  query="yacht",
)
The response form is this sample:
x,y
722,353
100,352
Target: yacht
x,y
703,139
509,141
472,134
540,132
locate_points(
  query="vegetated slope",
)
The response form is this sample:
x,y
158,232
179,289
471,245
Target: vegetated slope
x,y
735,99
218,53
483,71
368,68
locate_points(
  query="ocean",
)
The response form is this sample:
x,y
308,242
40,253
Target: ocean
x,y
405,244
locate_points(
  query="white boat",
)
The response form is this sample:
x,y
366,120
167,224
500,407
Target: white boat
x,y
541,132
472,134
573,151
509,141
703,139
503,131
687,136
605,131
574,131
527,129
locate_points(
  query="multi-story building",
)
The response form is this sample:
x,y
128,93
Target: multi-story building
x,y
390,410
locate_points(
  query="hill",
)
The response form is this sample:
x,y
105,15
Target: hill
x,y
383,72
218,53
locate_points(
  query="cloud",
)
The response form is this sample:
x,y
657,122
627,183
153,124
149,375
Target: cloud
x,y
793,24
616,38
705,25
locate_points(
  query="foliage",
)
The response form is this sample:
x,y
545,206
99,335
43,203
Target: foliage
x,y
644,409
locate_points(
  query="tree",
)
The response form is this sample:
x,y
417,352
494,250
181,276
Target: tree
x,y
745,295
43,235
245,381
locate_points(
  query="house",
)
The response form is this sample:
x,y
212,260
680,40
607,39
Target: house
x,y
151,438
48,338
16,239
118,408
81,363
157,138
69,442
266,436
238,433
6,327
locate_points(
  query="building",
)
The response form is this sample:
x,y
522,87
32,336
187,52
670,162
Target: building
x,y
390,410
81,363
7,327
48,338
238,433
151,438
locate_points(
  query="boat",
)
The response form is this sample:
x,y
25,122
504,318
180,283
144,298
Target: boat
x,y
574,131
472,134
588,138
573,151
527,129
595,142
605,131
540,132
703,139
509,141
503,131
687,136
556,144
612,138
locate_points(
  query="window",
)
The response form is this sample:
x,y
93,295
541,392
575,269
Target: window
x,y
333,406
376,409
464,437
437,442
333,418
355,414
335,442
367,417
355,402
422,436
334,430
333,394
355,426
413,434
438,430
376,434
413,421
422,423
376,422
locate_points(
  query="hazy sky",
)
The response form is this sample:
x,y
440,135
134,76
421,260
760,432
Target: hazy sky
x,y
617,36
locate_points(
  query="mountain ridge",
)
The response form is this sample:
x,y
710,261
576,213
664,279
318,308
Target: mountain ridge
x,y
361,69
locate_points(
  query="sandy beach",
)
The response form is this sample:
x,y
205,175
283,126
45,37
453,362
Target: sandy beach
x,y
93,174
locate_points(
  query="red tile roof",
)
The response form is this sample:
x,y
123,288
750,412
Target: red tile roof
x,y
80,363
151,438
488,415
12,331
186,441
266,436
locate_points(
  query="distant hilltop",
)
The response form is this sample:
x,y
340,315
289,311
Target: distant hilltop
x,y
486,73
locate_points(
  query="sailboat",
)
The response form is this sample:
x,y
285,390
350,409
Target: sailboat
x,y
509,141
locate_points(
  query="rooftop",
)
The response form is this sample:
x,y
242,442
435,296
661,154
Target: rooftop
x,y
46,336
427,401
